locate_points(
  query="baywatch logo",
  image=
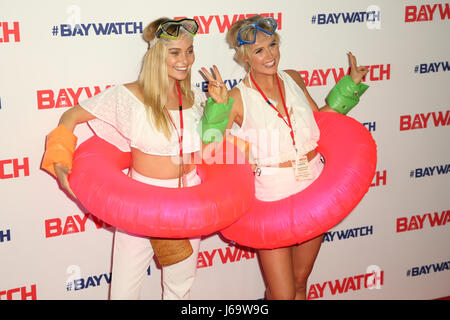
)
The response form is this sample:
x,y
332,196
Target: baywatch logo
x,y
425,120
20,293
223,23
321,77
432,67
65,97
9,32
427,12
72,224
206,24
421,221
99,29
430,171
372,279
14,168
229,83
331,236
5,235
379,179
226,255
362,16
428,268
89,282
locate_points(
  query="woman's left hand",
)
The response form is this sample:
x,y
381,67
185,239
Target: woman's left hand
x,y
356,72
216,87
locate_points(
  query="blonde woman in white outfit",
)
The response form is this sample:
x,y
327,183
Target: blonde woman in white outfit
x,y
274,112
147,117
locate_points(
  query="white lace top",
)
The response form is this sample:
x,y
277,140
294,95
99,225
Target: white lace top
x,y
121,120
268,134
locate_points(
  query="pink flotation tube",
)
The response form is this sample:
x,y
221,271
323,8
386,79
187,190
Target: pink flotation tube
x,y
97,180
350,162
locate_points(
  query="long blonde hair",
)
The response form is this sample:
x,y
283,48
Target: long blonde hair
x,y
154,79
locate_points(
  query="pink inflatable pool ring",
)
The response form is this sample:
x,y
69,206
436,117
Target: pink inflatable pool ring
x,y
225,193
350,161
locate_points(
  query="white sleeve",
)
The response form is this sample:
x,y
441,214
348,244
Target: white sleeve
x,y
113,114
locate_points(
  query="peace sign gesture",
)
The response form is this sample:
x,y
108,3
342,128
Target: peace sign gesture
x,y
356,72
216,88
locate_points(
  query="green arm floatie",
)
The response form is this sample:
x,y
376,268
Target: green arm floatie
x,y
215,120
345,95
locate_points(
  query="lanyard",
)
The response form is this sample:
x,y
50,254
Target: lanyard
x,y
288,122
180,135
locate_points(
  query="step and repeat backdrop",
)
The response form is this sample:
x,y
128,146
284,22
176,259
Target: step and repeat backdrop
x,y
394,245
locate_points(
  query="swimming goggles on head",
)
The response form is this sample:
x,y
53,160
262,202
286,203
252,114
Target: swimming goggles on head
x,y
268,25
171,28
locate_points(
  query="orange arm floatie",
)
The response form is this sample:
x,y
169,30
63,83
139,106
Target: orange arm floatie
x,y
59,148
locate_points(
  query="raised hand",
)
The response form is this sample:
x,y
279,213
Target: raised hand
x,y
216,87
356,72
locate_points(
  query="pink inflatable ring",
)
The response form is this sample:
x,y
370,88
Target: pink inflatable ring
x,y
350,161
97,180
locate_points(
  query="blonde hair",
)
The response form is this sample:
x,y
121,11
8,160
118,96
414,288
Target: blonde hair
x,y
154,80
242,51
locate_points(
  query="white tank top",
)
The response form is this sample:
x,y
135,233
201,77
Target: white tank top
x,y
268,134
121,120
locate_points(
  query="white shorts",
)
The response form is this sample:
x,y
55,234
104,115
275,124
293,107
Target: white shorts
x,y
272,183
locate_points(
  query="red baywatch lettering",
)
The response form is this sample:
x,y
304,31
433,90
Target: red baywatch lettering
x,y
64,98
340,286
21,293
427,12
422,120
224,22
73,224
417,222
227,255
9,32
320,77
11,168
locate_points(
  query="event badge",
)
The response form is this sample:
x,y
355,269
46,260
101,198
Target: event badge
x,y
301,168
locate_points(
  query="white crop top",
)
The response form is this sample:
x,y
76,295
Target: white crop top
x,y
121,120
270,138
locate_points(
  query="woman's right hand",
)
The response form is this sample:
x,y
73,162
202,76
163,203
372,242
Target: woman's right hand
x,y
216,87
62,173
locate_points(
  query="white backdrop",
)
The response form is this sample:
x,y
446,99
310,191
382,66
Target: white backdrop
x,y
394,245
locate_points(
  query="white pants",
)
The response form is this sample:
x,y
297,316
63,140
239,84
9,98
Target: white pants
x,y
272,183
132,255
